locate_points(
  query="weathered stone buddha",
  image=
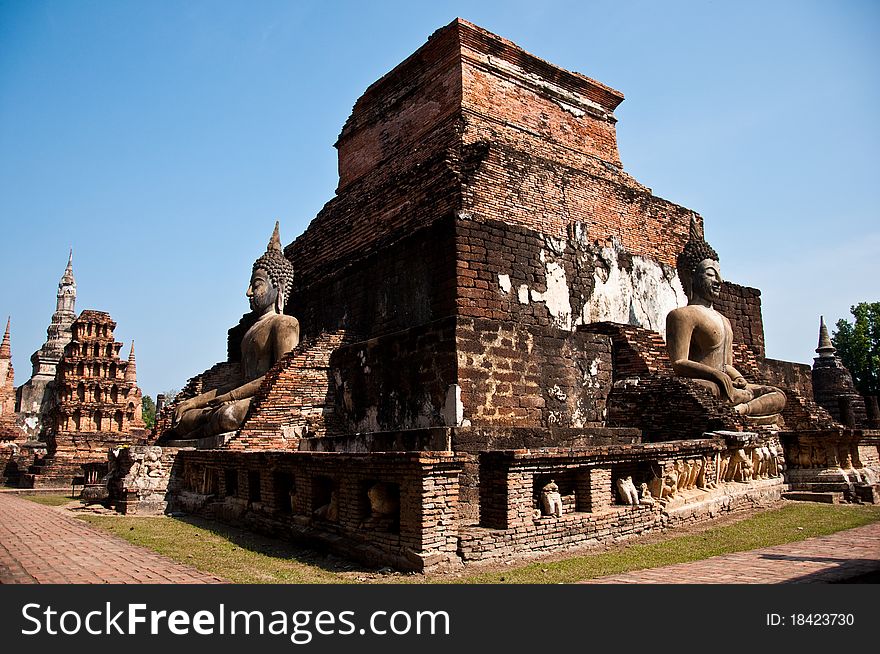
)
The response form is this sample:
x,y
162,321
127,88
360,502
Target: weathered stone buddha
x,y
700,340
271,337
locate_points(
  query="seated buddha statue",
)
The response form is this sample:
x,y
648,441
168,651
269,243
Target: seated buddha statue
x,y
700,340
272,336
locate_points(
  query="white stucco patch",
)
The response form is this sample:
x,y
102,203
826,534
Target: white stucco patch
x,y
556,296
504,283
522,294
558,393
453,409
641,296
555,245
572,110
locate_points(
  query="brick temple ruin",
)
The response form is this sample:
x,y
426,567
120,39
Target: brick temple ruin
x,y
481,368
98,404
80,401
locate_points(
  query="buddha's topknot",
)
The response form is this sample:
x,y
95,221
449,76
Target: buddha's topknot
x,y
695,251
276,265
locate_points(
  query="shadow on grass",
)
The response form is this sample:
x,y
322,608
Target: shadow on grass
x,y
308,552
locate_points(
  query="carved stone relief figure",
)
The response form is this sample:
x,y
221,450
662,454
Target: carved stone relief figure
x,y
694,466
646,497
745,471
819,457
723,465
700,474
551,500
329,511
758,462
805,460
740,467
681,471
384,506
845,457
627,490
671,477
663,486
773,463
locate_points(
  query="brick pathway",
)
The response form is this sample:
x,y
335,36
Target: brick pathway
x,y
42,545
39,544
837,557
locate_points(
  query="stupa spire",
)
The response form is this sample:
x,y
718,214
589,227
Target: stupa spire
x,y
825,349
67,289
131,368
67,278
5,349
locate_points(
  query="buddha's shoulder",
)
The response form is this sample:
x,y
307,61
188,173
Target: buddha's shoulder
x,y
689,314
283,321
681,312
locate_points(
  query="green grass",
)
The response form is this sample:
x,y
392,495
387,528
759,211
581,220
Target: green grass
x,y
234,554
47,499
242,557
791,523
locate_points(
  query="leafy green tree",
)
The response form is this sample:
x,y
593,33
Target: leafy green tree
x,y
149,411
858,346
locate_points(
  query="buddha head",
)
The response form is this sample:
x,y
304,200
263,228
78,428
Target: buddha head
x,y
698,267
271,279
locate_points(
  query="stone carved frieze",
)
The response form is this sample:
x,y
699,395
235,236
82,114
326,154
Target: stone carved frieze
x,y
825,450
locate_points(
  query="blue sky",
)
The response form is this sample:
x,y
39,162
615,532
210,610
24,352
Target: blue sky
x,y
161,140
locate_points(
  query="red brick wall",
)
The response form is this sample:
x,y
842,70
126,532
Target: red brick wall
x,y
636,352
523,143
516,184
670,408
505,85
398,381
742,307
292,485
295,399
397,112
388,288
512,375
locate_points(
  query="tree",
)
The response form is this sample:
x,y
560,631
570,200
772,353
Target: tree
x,y
149,411
858,346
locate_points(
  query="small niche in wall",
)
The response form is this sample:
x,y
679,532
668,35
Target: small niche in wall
x,y
285,490
380,506
212,482
621,476
325,499
255,494
231,479
564,482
